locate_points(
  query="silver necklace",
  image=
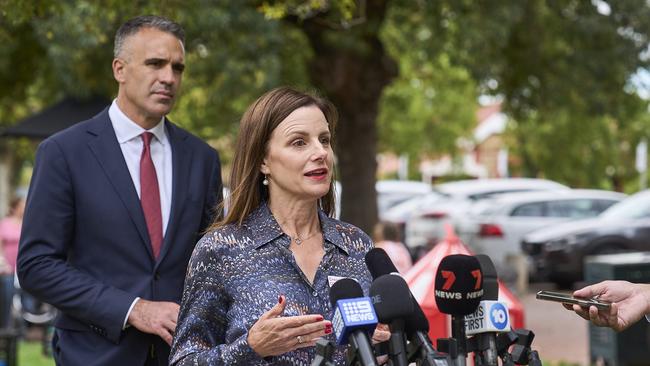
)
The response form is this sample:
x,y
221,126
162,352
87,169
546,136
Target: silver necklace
x,y
298,240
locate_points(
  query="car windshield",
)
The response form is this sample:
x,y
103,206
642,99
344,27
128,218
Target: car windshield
x,y
634,207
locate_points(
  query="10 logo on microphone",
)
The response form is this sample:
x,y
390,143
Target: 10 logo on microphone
x,y
499,316
490,316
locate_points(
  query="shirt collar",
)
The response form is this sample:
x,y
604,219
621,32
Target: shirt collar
x,y
264,228
126,129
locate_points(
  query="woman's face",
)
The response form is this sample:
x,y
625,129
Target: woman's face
x,y
299,157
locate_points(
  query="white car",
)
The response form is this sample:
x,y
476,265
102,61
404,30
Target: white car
x,y
389,193
401,212
425,227
496,226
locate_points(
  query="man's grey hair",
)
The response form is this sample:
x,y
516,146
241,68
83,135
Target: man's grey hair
x,y
132,26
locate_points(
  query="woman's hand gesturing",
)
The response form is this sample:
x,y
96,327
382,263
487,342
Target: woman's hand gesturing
x,y
274,334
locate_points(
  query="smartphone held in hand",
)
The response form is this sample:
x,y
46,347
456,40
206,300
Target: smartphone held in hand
x,y
569,299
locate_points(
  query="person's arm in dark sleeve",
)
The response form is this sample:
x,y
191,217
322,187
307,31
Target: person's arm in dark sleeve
x,y
214,197
47,234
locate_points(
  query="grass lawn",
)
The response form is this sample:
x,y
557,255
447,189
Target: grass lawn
x,y
31,354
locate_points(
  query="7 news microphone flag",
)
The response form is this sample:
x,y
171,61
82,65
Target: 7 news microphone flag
x,y
458,291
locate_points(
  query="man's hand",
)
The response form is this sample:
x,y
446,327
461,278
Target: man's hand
x,y
630,302
155,317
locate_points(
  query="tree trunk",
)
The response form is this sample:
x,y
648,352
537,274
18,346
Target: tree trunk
x,y
351,67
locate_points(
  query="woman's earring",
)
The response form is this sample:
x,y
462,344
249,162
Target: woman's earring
x,y
266,180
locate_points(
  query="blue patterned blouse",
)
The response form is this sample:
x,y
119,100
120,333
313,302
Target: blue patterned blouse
x,y
236,273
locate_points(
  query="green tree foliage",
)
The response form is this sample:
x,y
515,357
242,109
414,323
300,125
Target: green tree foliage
x,y
432,102
416,67
564,69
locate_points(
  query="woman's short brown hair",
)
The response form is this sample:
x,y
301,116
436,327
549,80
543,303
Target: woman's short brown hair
x,y
255,128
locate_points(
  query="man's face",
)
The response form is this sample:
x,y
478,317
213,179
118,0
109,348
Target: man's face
x,y
149,70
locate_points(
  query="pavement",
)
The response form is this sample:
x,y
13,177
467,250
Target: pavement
x,y
560,335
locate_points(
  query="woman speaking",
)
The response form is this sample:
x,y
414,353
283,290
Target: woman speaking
x,y
257,286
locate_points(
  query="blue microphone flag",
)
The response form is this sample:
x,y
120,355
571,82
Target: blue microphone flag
x,y
351,315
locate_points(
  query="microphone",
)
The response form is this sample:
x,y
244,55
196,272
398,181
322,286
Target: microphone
x,y
379,263
490,278
416,324
324,353
420,349
388,294
490,317
458,292
354,320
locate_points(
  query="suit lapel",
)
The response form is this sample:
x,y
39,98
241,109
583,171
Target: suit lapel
x,y
181,164
107,151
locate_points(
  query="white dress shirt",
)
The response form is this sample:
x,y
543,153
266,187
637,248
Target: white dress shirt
x,y
128,135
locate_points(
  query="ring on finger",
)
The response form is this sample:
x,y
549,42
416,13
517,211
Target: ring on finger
x,y
299,338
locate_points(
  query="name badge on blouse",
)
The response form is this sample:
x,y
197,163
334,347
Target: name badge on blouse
x,y
331,280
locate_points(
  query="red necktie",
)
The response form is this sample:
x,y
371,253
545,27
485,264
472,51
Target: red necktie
x,y
150,195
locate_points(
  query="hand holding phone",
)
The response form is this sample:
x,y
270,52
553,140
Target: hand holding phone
x,y
569,299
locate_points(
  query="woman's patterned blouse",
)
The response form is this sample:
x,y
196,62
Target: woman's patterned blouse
x,y
236,274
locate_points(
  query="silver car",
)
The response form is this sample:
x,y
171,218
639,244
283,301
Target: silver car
x,y
425,227
497,225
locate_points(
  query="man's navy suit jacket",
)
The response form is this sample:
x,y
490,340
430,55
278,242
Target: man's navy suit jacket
x,y
85,248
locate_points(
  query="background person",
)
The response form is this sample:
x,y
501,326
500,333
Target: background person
x,y
115,207
387,237
10,227
630,303
257,288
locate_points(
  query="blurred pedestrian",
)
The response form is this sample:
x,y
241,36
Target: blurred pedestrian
x,y
387,237
630,303
115,207
10,227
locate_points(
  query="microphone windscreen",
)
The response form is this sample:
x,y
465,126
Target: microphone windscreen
x,y
459,284
345,288
391,298
379,263
490,278
416,321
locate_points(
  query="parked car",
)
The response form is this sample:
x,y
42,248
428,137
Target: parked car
x,y
402,211
394,192
558,252
496,226
425,227
389,193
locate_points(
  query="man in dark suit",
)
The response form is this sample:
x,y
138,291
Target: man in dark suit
x,y
115,207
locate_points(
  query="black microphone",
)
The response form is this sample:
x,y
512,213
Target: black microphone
x,y
324,353
354,317
458,292
379,263
390,296
416,324
491,317
490,278
420,348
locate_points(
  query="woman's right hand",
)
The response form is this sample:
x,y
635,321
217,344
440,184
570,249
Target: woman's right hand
x,y
274,334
